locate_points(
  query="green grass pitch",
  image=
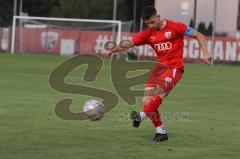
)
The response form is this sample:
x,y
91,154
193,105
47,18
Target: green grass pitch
x,y
209,97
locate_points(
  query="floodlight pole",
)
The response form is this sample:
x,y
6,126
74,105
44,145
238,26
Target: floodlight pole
x,y
114,27
20,7
114,17
114,9
141,24
20,23
214,29
15,8
134,14
195,14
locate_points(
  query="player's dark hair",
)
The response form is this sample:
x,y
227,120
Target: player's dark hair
x,y
148,12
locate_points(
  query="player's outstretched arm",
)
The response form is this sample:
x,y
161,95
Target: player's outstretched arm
x,y
202,43
123,46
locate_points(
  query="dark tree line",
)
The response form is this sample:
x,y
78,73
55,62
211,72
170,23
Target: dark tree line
x,y
91,9
201,27
6,12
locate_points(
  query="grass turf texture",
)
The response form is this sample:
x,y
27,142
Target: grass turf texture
x,y
29,127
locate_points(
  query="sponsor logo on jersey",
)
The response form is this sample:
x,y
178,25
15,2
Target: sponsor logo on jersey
x,y
168,35
163,46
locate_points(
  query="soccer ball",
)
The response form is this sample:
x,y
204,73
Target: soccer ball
x,y
94,109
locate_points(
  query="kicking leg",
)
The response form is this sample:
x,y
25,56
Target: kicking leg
x,y
152,99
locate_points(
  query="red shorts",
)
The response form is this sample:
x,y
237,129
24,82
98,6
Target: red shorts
x,y
164,77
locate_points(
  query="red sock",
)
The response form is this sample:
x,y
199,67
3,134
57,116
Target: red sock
x,y
151,110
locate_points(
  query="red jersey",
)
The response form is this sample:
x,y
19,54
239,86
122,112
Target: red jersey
x,y
167,43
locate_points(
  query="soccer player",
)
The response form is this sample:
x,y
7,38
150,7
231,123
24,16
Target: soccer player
x,y
166,38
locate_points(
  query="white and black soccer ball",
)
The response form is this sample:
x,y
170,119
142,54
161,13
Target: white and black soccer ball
x,y
94,109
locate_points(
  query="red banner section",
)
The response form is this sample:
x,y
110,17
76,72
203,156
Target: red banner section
x,y
69,42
